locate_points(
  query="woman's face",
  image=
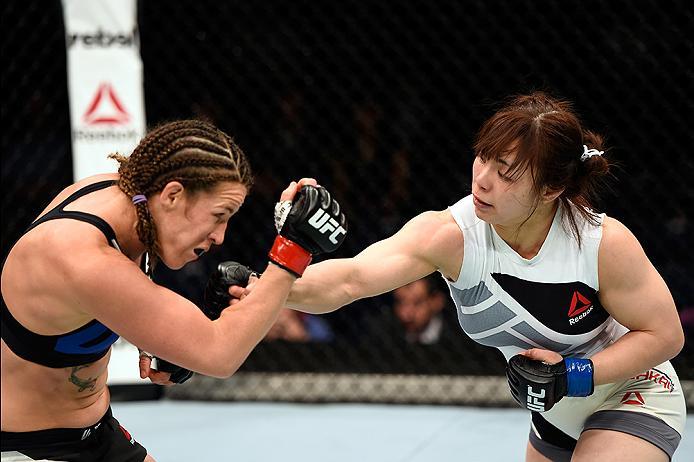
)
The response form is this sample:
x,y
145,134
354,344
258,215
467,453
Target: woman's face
x,y
190,223
497,199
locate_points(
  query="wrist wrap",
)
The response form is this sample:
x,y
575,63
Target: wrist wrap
x,y
579,377
289,255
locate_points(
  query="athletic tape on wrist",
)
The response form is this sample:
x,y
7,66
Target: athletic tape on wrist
x,y
290,255
282,209
579,377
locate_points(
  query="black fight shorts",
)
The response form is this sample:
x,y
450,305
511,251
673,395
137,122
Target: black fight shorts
x,y
105,441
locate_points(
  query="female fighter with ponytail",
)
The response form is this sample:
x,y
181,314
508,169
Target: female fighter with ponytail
x,y
73,284
567,294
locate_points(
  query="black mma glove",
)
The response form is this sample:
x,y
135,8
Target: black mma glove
x,y
310,225
215,300
178,374
538,386
216,297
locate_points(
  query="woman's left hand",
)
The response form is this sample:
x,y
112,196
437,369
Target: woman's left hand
x,y
238,293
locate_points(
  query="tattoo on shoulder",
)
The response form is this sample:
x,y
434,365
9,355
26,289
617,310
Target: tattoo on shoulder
x,y
82,384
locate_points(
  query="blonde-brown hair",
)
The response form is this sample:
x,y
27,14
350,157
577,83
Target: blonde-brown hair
x,y
192,152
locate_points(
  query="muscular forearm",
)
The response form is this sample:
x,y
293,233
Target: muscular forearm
x,y
324,287
635,352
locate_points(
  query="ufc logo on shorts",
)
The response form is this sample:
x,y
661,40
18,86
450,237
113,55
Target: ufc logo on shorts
x,y
324,223
534,401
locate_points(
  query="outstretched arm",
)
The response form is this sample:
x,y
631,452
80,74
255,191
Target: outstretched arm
x,y
429,242
159,321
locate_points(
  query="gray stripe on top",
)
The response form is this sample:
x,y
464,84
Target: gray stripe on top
x,y
492,317
14,456
472,296
525,329
503,339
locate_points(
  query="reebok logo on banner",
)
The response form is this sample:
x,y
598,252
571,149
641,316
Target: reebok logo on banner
x,y
105,108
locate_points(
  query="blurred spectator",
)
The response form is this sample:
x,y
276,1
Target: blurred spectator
x,y
294,326
674,265
418,330
418,307
687,318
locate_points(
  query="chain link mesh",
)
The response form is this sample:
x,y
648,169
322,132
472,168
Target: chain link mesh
x,y
380,102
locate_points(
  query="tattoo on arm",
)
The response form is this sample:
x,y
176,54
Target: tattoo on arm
x,y
82,384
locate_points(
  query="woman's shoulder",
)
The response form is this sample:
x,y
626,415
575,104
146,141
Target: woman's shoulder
x,y
615,232
87,181
65,240
440,238
436,224
618,246
65,193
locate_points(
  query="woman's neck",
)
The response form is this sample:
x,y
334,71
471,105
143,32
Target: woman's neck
x,y
526,238
124,222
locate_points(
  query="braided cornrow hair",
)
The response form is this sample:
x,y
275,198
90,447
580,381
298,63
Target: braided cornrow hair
x,y
192,152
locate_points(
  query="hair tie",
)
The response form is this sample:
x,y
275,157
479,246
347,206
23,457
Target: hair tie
x,y
590,153
138,198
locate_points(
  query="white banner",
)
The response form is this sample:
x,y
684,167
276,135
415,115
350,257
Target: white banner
x,y
124,366
107,111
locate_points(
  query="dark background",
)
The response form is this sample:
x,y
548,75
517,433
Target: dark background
x,y
380,102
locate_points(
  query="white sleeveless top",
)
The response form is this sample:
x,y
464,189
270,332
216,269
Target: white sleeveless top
x,y
549,301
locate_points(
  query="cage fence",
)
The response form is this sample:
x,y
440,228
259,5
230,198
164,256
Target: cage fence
x,y
380,101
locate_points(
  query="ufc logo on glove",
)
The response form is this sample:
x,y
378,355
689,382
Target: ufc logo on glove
x,y
324,223
534,401
302,225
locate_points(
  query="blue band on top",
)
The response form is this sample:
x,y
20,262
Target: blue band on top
x,y
579,376
93,339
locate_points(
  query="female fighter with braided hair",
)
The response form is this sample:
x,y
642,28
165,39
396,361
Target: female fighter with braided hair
x,y
73,283
535,272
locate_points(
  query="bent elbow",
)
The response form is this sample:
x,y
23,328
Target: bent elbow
x,y
224,371
673,342
228,372
677,342
219,372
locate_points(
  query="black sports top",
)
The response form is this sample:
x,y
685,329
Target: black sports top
x,y
83,345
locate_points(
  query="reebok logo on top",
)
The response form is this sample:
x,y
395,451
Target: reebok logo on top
x,y
580,308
